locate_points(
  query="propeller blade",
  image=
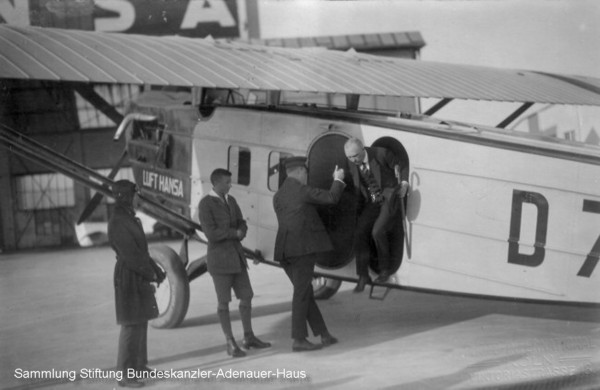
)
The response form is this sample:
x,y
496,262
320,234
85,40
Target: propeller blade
x,y
97,198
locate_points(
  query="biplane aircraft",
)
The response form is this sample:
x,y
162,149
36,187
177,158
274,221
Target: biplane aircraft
x,y
491,212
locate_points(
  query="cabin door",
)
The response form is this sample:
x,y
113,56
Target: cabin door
x,y
324,153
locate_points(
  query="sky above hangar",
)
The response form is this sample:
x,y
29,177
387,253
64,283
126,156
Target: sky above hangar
x,y
561,36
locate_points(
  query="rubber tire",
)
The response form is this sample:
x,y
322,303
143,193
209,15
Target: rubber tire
x,y
328,289
179,287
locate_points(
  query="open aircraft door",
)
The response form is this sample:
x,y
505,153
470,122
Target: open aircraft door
x,y
324,153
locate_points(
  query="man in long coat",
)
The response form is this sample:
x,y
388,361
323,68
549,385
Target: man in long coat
x,y
301,237
134,274
376,173
224,225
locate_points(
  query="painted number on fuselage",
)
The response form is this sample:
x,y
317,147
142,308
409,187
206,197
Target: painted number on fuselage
x,y
590,206
537,257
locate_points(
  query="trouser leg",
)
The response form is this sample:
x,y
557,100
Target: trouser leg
x,y
304,307
381,227
363,235
130,346
299,329
125,356
314,317
142,355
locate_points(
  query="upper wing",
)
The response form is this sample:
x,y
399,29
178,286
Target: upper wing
x,y
86,56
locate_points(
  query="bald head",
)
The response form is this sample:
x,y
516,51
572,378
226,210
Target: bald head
x,y
355,150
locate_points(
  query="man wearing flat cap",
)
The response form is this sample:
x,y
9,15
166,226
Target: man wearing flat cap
x,y
301,236
134,274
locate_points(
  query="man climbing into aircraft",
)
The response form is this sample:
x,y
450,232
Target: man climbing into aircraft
x,y
301,237
376,173
225,227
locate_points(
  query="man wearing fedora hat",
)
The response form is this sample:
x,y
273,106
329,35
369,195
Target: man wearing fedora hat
x,y
301,236
134,274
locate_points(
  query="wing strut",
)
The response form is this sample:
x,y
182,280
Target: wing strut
x,y
88,93
97,198
438,106
509,119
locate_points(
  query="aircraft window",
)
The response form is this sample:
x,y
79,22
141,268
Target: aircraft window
x,y
239,165
146,131
257,97
45,191
276,172
320,99
150,144
170,88
219,96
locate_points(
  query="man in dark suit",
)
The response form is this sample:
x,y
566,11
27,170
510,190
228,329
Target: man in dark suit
x,y
224,225
376,173
134,273
301,237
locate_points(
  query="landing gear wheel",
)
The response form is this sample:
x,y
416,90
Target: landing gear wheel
x,y
173,294
325,288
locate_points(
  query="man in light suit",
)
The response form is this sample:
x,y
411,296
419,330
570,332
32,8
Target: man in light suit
x,y
376,173
224,225
301,237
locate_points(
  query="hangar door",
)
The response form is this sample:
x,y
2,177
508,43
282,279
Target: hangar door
x,y
43,215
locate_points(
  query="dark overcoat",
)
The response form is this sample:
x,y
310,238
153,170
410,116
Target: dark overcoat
x,y
220,223
301,231
134,271
381,163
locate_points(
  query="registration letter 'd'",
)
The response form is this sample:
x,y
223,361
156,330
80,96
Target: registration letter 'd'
x,y
540,202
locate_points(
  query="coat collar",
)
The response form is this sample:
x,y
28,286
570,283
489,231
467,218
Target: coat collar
x,y
372,164
214,194
126,209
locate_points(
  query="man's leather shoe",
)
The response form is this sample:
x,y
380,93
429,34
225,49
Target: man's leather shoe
x,y
233,350
383,276
328,340
362,282
251,341
130,383
304,345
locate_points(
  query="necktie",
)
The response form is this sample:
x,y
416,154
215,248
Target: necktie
x,y
363,168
